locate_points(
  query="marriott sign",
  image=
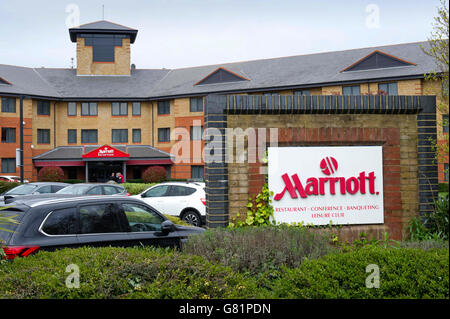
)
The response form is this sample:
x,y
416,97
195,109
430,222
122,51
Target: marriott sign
x,y
316,185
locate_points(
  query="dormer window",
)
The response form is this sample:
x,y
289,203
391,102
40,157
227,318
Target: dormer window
x,y
377,60
221,75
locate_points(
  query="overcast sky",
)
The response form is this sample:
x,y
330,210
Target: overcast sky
x,y
183,33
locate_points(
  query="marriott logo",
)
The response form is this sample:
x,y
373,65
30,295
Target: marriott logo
x,y
363,183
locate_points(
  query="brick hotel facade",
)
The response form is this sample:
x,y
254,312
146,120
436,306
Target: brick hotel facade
x,y
107,101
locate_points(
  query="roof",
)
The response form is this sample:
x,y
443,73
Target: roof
x,y
300,71
74,153
102,27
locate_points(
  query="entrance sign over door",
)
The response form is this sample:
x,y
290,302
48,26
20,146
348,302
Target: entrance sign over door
x,y
106,151
316,185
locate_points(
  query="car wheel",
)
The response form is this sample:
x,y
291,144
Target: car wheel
x,y
192,218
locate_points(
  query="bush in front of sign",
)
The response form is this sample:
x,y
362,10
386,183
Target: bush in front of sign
x,y
398,272
154,174
51,174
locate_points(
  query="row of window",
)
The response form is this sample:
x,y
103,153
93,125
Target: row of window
x,y
91,136
91,108
121,108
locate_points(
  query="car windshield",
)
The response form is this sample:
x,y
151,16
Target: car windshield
x,y
22,190
74,190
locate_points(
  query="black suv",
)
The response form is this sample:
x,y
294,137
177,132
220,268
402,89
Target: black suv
x,y
88,221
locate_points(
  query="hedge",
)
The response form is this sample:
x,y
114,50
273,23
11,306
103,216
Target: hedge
x,y
404,273
6,186
156,273
136,188
121,273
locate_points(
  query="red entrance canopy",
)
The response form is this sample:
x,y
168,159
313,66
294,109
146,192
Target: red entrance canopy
x,y
106,151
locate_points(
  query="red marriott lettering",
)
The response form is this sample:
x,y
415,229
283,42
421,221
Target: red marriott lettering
x,y
318,186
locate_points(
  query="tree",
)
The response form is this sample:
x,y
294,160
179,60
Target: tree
x,y
438,49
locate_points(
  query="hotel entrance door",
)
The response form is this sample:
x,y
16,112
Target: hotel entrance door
x,y
101,171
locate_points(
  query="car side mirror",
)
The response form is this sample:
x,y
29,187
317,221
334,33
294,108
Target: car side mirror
x,y
143,195
167,226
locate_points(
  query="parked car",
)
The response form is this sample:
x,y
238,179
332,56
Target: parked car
x,y
49,224
33,189
10,178
185,200
94,189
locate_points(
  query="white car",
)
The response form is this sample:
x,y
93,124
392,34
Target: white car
x,y
10,178
185,200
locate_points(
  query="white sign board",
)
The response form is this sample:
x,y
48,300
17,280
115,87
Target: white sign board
x,y
316,185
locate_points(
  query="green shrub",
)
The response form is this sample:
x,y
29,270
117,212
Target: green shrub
x,y
121,273
6,186
404,273
258,250
136,188
259,210
51,174
434,225
154,174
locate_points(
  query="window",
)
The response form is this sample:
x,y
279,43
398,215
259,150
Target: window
x,y
136,135
197,172
56,188
101,218
8,135
89,109
119,108
445,123
43,107
181,191
196,133
388,88
61,222
302,92
136,108
351,90
164,135
196,104
103,45
164,107
44,189
141,218
71,136
71,109
8,105
8,165
111,190
120,136
97,190
89,136
43,136
157,191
